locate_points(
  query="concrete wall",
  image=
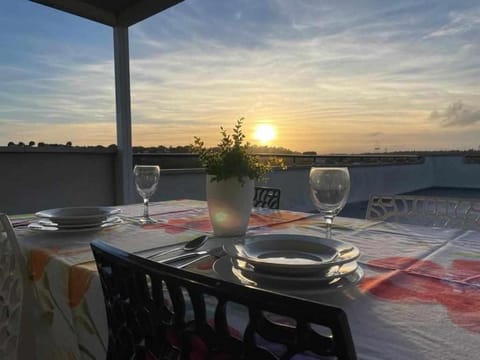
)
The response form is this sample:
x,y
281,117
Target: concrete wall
x,y
31,181
364,181
389,179
451,171
180,184
435,171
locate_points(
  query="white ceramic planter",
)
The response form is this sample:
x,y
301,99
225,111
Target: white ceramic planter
x,y
229,205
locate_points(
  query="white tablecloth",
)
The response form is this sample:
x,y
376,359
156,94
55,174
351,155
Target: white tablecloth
x,y
419,298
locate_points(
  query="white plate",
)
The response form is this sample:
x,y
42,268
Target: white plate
x,y
78,215
224,268
46,222
322,274
285,253
37,226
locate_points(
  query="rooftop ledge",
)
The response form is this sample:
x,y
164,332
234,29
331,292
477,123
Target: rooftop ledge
x,y
58,149
188,161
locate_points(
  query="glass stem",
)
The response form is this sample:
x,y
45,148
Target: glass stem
x,y
329,222
145,208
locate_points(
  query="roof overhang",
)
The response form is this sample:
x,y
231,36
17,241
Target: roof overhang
x,y
111,12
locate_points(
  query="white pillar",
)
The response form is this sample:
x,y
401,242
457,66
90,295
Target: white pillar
x,y
124,161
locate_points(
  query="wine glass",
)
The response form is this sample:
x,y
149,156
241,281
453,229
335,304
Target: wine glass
x,y
329,189
146,180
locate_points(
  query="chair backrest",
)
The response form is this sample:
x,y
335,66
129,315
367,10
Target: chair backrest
x,y
16,337
267,197
425,210
150,308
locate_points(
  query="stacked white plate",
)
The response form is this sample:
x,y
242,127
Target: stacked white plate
x,y
291,260
74,219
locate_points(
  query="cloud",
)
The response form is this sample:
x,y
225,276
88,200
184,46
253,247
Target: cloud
x,y
302,65
457,114
460,22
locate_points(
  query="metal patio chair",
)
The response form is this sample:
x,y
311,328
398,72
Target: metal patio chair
x,y
267,197
148,315
425,210
16,298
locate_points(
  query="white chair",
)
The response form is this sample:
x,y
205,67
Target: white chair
x,y
16,299
425,210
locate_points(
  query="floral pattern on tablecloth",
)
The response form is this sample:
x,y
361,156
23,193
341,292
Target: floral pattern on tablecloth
x,y
198,219
425,281
403,264
62,307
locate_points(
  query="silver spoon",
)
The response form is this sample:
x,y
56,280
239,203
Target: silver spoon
x,y
189,246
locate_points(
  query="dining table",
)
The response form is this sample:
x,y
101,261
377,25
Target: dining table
x,y
417,295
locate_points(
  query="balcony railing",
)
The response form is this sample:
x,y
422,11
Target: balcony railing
x,y
38,178
189,160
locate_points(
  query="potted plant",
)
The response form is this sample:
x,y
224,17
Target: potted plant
x,y
231,173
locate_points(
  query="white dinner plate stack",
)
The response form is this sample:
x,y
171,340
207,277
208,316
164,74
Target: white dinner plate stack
x,y
75,219
291,260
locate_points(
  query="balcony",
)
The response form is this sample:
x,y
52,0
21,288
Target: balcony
x,y
39,178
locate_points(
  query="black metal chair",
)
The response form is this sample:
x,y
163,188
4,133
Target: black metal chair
x,y
267,197
147,303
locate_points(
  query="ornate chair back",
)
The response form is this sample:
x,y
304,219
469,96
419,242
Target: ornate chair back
x,y
16,307
425,210
267,197
156,311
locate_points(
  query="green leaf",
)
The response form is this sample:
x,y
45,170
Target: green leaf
x,y
232,158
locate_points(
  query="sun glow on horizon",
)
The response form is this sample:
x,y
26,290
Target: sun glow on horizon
x,y
264,133
359,83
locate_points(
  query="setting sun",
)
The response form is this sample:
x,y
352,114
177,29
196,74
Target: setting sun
x,y
264,133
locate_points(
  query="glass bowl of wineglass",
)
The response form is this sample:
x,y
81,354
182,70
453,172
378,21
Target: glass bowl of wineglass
x,y
146,180
329,189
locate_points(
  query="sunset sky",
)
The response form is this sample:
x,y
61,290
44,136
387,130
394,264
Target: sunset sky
x,y
329,76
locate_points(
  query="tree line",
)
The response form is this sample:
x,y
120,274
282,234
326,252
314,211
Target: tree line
x,y
160,149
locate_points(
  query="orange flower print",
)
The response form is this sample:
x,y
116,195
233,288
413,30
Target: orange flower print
x,y
200,221
79,279
424,281
38,260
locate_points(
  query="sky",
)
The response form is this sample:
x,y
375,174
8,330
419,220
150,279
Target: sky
x,y
343,76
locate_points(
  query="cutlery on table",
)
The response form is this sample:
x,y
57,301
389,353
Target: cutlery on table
x,y
184,265
22,221
191,245
196,255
